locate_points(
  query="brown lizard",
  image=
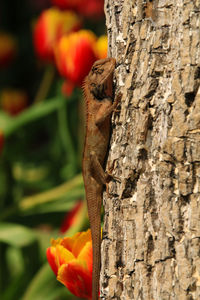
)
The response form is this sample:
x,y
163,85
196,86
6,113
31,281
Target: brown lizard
x,y
98,94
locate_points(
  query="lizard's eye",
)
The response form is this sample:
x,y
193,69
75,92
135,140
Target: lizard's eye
x,y
100,71
94,69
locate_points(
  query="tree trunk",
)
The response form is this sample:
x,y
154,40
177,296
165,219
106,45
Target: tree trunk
x,y
151,236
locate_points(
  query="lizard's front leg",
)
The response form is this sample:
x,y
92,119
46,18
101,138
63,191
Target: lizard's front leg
x,y
106,109
97,170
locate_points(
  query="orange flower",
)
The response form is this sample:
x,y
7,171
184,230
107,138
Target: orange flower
x,y
7,48
13,101
71,260
75,54
51,25
101,47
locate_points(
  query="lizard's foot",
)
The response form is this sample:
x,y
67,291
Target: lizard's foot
x,y
116,102
109,177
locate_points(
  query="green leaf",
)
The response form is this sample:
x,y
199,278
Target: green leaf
x,y
5,120
13,291
16,235
33,113
52,194
45,286
63,204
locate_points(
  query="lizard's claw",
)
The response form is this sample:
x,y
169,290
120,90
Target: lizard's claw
x,y
116,102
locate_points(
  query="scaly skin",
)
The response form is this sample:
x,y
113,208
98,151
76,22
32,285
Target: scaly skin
x,y
98,92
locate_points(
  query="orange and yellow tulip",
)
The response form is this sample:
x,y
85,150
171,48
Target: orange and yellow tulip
x,y
75,55
71,260
49,28
101,47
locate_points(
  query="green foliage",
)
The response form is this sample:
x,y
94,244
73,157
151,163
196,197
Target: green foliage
x,y
16,235
40,166
44,286
40,181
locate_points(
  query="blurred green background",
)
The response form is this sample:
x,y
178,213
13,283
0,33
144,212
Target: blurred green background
x,y
40,163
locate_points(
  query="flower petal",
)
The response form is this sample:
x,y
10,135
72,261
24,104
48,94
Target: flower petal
x,y
71,216
86,255
50,26
63,255
75,54
81,241
68,242
51,259
76,278
101,47
57,256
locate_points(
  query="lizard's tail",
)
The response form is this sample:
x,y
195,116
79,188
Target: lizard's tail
x,y
96,246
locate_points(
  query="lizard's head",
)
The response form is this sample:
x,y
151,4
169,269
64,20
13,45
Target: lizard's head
x,y
100,77
101,70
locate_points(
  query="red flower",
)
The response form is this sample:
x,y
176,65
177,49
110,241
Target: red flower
x,y
66,4
71,217
75,55
1,141
71,260
7,49
51,25
87,8
13,101
91,8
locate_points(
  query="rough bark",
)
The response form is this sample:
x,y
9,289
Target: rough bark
x,y
151,239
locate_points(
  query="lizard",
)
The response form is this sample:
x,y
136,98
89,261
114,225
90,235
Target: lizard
x,y
98,95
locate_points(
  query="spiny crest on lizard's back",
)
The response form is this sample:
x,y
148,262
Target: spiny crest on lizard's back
x,y
85,96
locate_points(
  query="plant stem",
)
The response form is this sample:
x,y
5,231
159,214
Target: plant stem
x,y
33,113
41,198
45,84
52,194
65,136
